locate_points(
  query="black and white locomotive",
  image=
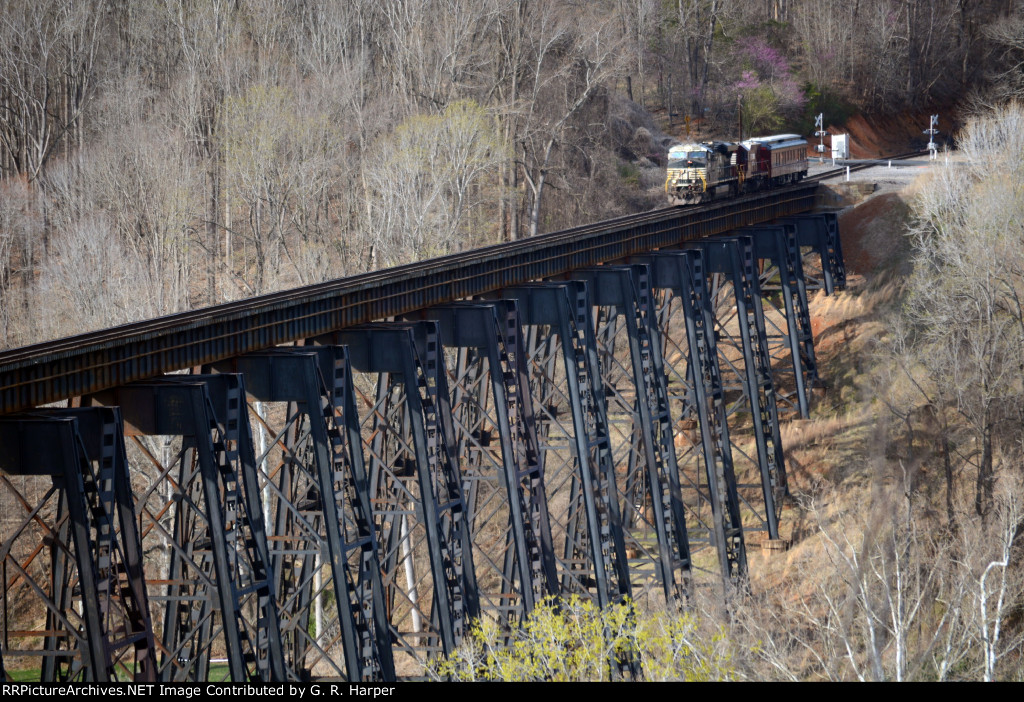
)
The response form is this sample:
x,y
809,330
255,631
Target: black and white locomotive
x,y
700,172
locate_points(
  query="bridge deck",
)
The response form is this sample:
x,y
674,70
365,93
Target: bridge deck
x,y
42,373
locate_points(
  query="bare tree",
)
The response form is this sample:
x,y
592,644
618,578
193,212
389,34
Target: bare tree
x,y
424,178
91,281
208,42
21,225
1007,79
697,21
881,593
571,62
966,289
46,78
639,20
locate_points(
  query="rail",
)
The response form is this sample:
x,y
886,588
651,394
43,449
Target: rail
x,y
862,165
79,365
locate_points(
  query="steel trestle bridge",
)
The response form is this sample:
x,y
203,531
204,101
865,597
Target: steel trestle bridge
x,y
335,481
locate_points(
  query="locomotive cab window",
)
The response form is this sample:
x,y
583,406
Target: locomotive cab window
x,y
691,159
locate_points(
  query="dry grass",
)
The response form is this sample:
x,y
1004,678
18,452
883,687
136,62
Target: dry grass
x,y
834,459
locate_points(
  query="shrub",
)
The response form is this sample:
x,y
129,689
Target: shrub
x,y
573,640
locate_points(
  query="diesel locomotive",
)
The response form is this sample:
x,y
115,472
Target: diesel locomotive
x,y
704,171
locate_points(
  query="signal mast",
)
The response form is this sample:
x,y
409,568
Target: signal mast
x,y
820,133
933,148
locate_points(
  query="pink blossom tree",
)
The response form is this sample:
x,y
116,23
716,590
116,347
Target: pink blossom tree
x,y
767,88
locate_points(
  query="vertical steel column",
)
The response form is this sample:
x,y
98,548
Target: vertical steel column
x,y
121,588
508,506
734,259
97,618
643,451
245,535
317,494
416,485
835,247
820,233
347,452
777,245
217,544
575,456
693,371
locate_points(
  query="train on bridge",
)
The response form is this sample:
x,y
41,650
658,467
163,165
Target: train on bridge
x,y
594,412
700,172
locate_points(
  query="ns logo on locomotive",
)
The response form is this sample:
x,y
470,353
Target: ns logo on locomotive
x,y
701,172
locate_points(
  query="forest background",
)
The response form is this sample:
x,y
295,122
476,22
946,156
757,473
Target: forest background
x,y
162,155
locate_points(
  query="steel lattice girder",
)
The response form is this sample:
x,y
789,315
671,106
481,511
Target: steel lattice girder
x,y
315,541
777,247
743,353
503,478
639,419
416,484
575,455
97,618
696,392
217,541
820,234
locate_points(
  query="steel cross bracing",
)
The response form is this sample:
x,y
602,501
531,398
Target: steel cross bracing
x,y
746,378
569,418
640,425
733,264
698,405
420,507
315,487
836,263
575,452
74,546
496,438
200,506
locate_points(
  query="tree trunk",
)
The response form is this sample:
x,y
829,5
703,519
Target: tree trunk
x,y
983,488
947,465
538,186
212,212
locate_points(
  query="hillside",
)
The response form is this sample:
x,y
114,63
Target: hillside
x,y
898,568
162,157
193,152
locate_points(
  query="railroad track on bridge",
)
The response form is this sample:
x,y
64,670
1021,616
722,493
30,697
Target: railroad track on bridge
x,y
51,371
610,432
